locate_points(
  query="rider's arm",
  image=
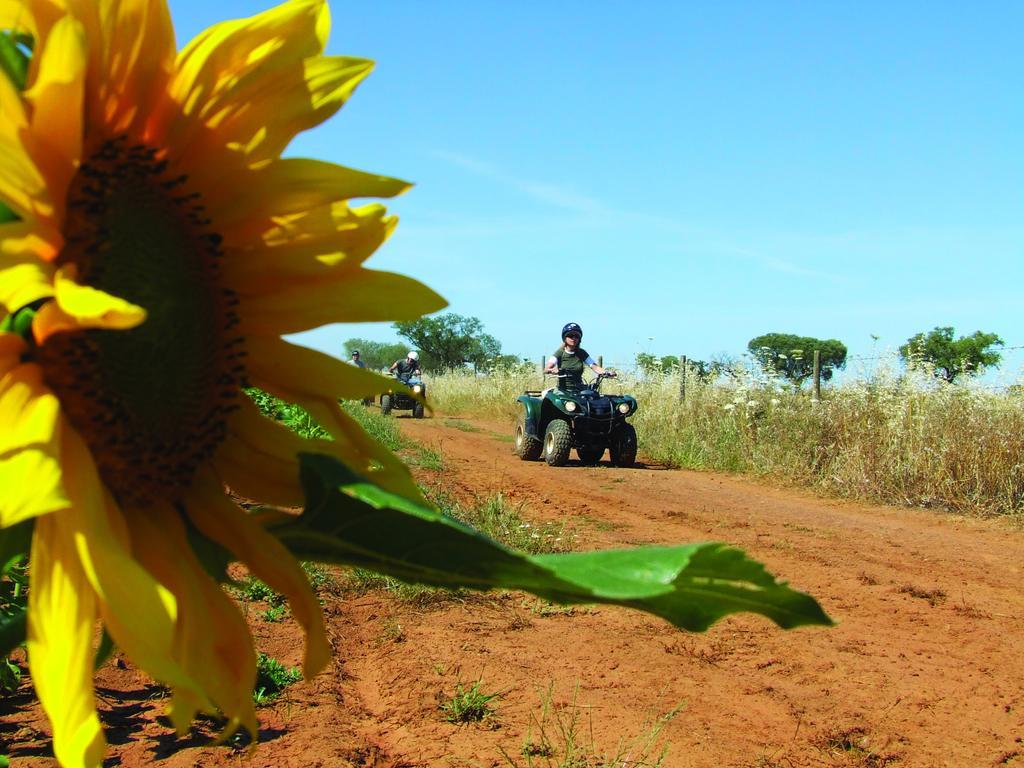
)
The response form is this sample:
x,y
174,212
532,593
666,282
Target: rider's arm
x,y
594,366
552,366
392,366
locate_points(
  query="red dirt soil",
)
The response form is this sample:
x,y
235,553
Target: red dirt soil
x,y
923,669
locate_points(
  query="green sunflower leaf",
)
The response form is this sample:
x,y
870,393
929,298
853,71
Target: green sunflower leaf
x,y
352,522
6,214
13,57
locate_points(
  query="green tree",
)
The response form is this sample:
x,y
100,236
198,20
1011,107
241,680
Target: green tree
x,y
376,354
950,358
450,340
793,356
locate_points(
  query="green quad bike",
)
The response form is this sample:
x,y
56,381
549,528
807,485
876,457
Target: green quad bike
x,y
558,420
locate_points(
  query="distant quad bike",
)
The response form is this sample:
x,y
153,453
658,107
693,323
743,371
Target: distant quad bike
x,y
401,401
558,420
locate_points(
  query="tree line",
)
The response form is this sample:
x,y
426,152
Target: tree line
x,y
792,357
450,341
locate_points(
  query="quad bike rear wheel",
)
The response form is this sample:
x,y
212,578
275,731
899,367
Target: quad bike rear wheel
x,y
557,443
528,447
385,404
623,447
417,411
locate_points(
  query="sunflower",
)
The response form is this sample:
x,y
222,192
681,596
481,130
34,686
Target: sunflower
x,y
164,247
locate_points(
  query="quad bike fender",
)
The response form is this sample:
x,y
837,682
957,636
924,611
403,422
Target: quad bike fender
x,y
531,415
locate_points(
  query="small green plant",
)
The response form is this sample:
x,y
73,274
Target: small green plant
x,y
274,613
392,632
272,677
469,705
563,737
254,590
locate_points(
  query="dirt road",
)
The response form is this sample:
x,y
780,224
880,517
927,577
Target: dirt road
x,y
923,669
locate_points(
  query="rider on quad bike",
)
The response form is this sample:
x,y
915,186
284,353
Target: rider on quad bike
x,y
406,371
569,360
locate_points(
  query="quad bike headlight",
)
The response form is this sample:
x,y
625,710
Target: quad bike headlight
x,y
623,408
417,388
570,406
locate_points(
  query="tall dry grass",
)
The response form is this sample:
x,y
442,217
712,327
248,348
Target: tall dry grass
x,y
895,437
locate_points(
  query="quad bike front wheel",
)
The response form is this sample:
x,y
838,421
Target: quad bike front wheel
x,y
623,447
590,455
557,443
417,411
385,405
528,447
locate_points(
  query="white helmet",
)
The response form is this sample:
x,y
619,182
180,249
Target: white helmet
x,y
414,355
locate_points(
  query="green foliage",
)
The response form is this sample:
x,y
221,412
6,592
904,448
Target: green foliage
x,y
14,547
296,418
950,358
651,364
351,522
450,340
469,705
793,356
255,590
377,355
503,521
272,677
15,53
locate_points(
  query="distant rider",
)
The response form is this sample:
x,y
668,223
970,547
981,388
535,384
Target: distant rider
x,y
408,368
355,359
570,359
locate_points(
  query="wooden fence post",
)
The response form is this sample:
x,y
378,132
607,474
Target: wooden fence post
x,y
817,374
600,361
682,378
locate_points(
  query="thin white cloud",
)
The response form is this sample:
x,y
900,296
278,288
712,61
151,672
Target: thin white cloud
x,y
567,199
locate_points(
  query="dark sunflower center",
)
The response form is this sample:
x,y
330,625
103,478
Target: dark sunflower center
x,y
151,401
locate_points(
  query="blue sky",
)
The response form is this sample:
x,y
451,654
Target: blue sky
x,y
681,177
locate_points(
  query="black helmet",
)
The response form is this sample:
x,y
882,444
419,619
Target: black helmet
x,y
572,328
355,353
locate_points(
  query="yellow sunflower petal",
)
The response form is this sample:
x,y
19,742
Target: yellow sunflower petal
x,y
306,247
212,640
23,281
30,446
12,108
259,460
23,187
61,618
80,306
232,58
134,63
56,97
224,522
138,612
268,108
289,186
354,296
315,381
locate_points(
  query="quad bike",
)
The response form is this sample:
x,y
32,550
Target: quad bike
x,y
401,400
557,420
